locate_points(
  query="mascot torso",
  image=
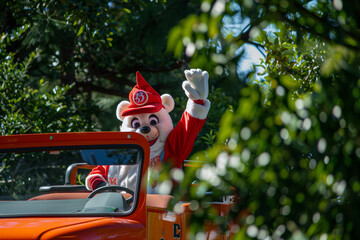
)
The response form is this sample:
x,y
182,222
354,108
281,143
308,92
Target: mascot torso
x,y
148,114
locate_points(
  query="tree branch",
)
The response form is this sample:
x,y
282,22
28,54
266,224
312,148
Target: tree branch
x,y
112,76
318,20
90,87
149,69
325,22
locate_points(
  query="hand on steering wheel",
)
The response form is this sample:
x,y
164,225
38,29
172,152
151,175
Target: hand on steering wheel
x,y
113,188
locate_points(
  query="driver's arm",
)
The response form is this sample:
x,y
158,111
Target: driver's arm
x,y
97,182
97,177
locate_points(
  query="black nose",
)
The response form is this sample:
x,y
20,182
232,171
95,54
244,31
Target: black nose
x,y
145,129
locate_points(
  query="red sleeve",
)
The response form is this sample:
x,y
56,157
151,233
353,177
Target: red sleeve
x,y
97,175
94,182
181,139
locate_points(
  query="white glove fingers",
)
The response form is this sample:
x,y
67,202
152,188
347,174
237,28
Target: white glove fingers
x,y
187,73
189,91
193,75
205,76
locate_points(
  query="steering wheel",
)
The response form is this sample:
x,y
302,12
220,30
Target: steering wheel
x,y
113,188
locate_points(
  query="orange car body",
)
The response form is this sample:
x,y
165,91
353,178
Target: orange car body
x,y
150,220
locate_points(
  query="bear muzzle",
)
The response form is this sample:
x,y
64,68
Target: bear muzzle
x,y
150,133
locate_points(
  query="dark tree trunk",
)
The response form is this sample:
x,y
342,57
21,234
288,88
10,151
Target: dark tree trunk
x,y
67,67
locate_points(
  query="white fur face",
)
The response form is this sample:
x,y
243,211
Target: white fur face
x,y
155,127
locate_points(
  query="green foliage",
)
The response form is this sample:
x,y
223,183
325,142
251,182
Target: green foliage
x,y
97,45
23,110
289,149
23,173
27,110
298,65
220,103
287,142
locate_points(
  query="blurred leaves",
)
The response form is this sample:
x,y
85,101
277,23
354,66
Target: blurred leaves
x,y
289,148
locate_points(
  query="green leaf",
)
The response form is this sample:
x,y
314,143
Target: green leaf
x,y
225,123
127,10
289,81
81,30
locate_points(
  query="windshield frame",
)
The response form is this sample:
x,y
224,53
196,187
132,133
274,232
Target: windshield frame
x,y
78,141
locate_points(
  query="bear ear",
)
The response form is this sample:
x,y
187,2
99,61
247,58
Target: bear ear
x,y
168,102
122,106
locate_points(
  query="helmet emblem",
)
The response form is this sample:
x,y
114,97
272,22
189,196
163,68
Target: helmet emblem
x,y
140,98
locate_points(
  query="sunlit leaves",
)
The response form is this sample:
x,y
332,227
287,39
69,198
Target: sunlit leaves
x,y
290,147
199,37
81,30
188,36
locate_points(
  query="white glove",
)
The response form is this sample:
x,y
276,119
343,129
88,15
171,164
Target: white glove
x,y
196,87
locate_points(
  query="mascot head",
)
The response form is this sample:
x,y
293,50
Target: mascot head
x,y
147,113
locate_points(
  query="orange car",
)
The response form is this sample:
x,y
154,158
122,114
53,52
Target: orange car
x,y
36,204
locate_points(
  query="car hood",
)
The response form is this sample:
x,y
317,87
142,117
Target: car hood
x,y
68,227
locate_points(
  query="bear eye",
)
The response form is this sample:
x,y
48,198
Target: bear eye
x,y
135,123
153,120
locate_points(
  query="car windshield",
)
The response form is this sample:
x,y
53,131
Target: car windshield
x,y
51,181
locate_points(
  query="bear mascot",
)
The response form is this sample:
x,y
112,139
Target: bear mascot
x,y
147,113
